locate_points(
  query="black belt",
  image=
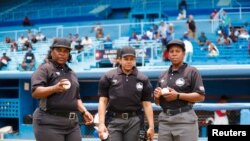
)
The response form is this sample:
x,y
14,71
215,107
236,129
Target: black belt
x,y
70,115
172,112
122,115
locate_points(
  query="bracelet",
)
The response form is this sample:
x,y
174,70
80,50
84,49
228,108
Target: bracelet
x,y
178,96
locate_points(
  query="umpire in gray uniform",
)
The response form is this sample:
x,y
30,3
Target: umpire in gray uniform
x,y
56,87
123,92
178,89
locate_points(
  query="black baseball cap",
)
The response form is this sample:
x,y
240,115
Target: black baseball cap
x,y
126,51
176,42
61,42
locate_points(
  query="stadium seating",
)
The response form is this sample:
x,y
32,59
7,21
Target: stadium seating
x,y
236,53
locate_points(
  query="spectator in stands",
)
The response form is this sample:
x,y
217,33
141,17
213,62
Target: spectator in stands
x,y
145,37
70,37
169,37
75,41
243,33
150,34
213,14
202,39
227,40
79,46
30,34
191,27
223,39
163,33
4,60
107,42
86,42
21,40
27,45
33,39
188,51
182,5
182,15
26,21
212,49
182,10
40,36
13,46
233,35
120,98
56,87
162,30
178,88
220,116
185,36
157,37
96,27
133,40
170,33
225,23
134,37
99,34
28,60
116,61
7,40
155,29
77,38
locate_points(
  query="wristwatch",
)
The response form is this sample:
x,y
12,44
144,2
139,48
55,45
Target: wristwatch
x,y
178,96
83,112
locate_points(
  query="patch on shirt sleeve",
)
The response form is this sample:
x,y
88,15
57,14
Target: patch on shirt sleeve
x,y
202,88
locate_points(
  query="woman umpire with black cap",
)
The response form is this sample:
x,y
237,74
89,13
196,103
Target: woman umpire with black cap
x,y
177,90
124,92
56,87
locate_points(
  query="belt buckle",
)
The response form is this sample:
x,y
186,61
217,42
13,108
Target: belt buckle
x,y
124,115
168,112
72,115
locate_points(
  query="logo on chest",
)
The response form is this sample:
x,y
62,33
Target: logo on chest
x,y
139,86
58,73
114,81
180,82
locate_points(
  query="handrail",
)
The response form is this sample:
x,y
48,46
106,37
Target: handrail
x,y
239,8
197,106
238,3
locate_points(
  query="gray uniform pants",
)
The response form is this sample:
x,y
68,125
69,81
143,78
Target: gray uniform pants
x,y
124,129
55,128
180,127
